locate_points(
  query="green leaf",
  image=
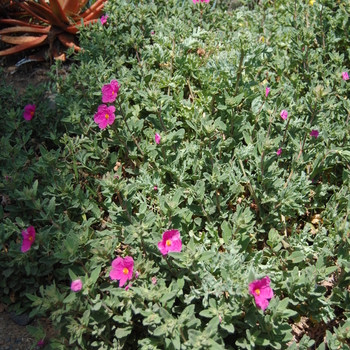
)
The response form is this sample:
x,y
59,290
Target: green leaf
x,y
71,297
226,231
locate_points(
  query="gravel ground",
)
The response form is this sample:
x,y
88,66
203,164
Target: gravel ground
x,y
13,336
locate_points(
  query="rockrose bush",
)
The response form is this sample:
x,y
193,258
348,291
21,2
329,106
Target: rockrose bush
x,y
190,189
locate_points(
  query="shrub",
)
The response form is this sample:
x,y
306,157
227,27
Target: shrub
x,y
251,182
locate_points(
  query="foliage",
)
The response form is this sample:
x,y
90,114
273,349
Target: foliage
x,y
196,75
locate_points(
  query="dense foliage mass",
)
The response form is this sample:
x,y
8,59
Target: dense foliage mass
x,y
189,189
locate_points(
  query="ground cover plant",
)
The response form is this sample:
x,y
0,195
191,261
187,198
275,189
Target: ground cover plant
x,y
190,187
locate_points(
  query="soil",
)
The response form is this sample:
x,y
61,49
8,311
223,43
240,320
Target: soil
x,y
14,336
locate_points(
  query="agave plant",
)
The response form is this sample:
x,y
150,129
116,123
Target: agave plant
x,y
41,22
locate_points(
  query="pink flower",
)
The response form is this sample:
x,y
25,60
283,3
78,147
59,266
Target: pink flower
x,y
103,19
279,151
154,281
261,291
29,111
152,32
41,342
28,238
171,242
137,274
122,269
314,133
128,286
104,116
345,76
76,285
157,139
267,90
110,91
284,114
155,188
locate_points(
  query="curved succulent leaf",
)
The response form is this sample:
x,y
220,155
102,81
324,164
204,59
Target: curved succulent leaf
x,y
68,40
92,9
16,22
17,40
21,47
41,12
25,29
75,28
58,11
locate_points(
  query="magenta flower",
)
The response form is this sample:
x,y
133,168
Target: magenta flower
x,y
41,342
110,91
29,111
28,238
157,138
122,269
171,242
152,32
76,285
104,116
345,76
155,188
137,274
154,281
262,292
279,151
103,19
284,114
314,133
267,90
128,286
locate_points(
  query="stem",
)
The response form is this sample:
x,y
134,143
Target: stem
x,y
323,40
217,201
239,71
143,247
172,64
170,267
19,136
302,146
182,335
250,186
137,56
101,336
124,207
160,117
263,154
84,268
285,132
189,86
256,120
127,126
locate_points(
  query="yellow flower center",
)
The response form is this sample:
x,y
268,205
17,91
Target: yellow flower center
x,y
112,92
30,238
257,291
125,271
106,116
168,242
31,112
